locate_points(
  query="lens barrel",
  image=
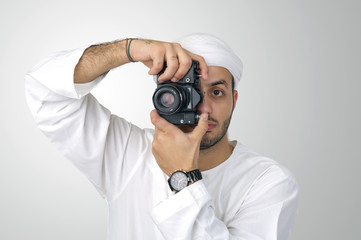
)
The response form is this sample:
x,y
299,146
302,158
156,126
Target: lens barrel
x,y
168,99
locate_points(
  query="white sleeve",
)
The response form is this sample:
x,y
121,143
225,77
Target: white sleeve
x,y
73,120
268,213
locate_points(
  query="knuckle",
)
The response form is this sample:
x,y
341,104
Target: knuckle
x,y
173,60
155,121
168,45
154,151
172,66
178,75
158,63
152,119
154,147
187,61
192,138
177,45
160,139
200,58
156,140
159,51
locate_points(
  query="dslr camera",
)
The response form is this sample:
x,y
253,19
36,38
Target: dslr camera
x,y
177,101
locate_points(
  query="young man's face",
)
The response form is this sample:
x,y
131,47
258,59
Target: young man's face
x,y
219,102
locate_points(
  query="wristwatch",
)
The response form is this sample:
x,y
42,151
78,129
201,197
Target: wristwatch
x,y
181,179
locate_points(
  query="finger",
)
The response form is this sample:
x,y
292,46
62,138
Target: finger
x,y
157,63
185,63
202,64
201,128
160,123
172,65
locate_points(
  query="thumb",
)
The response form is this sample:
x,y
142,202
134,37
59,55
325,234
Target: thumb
x,y
160,123
202,126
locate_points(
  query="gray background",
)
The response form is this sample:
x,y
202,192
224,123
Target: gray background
x,y
298,103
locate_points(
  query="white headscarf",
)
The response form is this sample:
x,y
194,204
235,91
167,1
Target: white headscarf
x,y
215,52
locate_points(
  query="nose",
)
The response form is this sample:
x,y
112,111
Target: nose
x,y
204,106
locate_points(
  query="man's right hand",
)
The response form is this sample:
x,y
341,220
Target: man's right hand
x,y
154,53
99,59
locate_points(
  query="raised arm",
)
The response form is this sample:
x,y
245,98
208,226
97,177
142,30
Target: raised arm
x,y
99,59
73,120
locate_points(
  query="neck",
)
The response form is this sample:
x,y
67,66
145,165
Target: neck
x,y
215,155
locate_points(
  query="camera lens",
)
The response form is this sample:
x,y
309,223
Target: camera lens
x,y
168,99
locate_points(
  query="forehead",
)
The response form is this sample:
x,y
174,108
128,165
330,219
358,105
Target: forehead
x,y
218,75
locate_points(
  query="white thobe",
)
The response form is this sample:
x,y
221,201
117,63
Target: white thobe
x,y
246,197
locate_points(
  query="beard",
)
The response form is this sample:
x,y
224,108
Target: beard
x,y
208,142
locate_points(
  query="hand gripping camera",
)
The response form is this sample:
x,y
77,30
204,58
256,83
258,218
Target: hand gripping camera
x,y
176,102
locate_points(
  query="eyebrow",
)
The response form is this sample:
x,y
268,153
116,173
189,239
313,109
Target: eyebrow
x,y
219,82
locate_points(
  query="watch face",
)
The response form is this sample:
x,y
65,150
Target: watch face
x,y
178,180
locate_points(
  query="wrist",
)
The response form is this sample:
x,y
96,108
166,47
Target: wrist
x,y
134,50
119,56
128,43
184,169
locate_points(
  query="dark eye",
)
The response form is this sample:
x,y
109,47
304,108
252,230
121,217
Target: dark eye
x,y
217,93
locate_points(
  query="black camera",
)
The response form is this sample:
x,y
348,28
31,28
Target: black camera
x,y
177,101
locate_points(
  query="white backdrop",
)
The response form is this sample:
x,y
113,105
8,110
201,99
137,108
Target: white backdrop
x,y
299,102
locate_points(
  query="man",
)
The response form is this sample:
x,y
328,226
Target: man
x,y
230,192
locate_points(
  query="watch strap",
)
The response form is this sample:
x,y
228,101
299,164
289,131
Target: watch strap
x,y
194,175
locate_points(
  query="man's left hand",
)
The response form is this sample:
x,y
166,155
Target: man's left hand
x,y
172,148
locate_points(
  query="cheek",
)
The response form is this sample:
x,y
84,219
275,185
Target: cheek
x,y
223,110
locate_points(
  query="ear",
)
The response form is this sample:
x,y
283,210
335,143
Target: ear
x,y
235,98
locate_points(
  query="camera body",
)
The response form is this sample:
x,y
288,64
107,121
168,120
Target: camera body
x,y
177,101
